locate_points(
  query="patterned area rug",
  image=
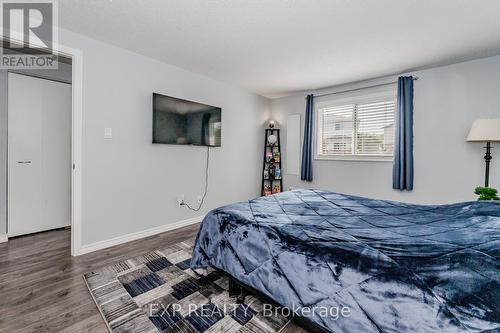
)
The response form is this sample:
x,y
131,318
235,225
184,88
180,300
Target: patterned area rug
x,y
158,292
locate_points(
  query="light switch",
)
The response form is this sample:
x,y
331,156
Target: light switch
x,y
108,133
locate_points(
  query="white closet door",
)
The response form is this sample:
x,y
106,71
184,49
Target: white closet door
x,y
39,158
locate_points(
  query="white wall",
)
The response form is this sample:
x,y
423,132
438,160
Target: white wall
x,y
447,168
131,185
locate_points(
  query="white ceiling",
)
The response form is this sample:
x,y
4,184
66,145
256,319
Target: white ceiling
x,y
277,47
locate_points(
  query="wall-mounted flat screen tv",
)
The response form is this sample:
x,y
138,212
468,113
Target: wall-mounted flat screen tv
x,y
180,122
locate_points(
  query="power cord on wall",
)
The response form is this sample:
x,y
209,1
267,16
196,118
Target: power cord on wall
x,y
184,203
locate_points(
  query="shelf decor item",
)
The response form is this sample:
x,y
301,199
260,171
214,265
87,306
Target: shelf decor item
x,y
269,156
485,130
272,169
272,139
276,156
267,190
272,179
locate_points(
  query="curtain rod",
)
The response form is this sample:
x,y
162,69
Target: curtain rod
x,y
356,89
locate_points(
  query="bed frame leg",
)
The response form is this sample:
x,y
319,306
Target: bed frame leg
x,y
236,289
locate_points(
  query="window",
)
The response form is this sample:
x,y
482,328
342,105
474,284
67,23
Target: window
x,y
357,130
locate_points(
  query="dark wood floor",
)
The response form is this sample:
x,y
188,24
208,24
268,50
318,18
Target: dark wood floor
x,y
41,285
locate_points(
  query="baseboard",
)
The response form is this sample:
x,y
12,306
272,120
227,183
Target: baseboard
x,y
136,235
3,238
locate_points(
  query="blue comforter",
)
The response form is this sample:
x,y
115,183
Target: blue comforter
x,y
397,267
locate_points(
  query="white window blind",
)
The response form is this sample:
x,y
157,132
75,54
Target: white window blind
x,y
360,129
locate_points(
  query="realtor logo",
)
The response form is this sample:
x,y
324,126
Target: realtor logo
x,y
29,34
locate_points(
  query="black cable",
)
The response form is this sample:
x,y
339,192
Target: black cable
x,y
206,185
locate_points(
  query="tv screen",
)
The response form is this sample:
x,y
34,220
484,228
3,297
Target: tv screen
x,y
180,122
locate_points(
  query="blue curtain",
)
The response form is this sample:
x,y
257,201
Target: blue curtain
x,y
402,177
306,172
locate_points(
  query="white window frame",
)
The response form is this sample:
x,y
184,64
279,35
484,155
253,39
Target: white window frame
x,y
360,98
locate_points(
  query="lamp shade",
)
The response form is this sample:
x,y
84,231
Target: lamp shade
x,y
485,130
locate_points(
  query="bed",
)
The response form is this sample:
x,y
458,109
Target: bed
x,y
397,267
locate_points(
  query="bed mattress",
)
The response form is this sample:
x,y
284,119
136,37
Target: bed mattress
x,y
397,267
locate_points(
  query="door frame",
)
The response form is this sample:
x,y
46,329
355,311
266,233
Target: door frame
x,y
76,57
